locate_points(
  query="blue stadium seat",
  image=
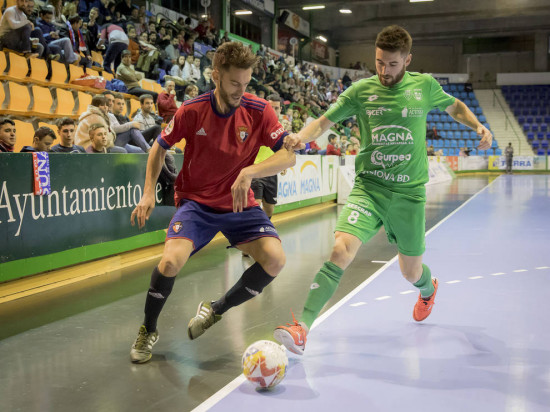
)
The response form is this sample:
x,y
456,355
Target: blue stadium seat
x,y
429,118
535,145
473,135
473,152
475,103
530,136
463,127
538,119
443,134
453,88
435,118
541,152
521,119
456,134
534,128
448,143
540,135
526,127
544,144
471,95
465,134
546,119
482,118
439,126
494,145
498,152
481,152
478,111
446,126
468,102
454,143
461,142
462,95
445,151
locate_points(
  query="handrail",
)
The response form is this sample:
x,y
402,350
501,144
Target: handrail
x,y
508,121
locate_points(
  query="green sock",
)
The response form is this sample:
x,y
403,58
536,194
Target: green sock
x,y
325,283
425,283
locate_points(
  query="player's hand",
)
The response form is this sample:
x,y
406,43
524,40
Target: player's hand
x,y
239,191
143,210
137,125
293,142
486,138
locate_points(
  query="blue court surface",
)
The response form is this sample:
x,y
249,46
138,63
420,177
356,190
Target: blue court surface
x,y
485,346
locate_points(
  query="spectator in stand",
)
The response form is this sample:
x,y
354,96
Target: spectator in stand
x,y
66,129
191,91
430,150
312,148
432,133
350,149
187,46
7,135
97,113
98,139
127,135
167,101
125,8
206,60
172,51
150,134
205,83
192,70
149,54
177,71
105,15
117,43
15,29
42,140
70,8
130,77
72,31
92,29
50,31
332,146
145,115
133,44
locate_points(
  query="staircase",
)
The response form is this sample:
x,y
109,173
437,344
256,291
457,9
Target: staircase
x,y
502,121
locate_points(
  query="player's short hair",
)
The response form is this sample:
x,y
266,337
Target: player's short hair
x,y
74,19
274,97
4,120
234,54
119,96
65,121
94,127
99,100
144,97
44,131
394,38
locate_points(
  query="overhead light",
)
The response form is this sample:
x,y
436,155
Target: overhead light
x,y
318,7
345,11
204,16
418,1
242,12
322,38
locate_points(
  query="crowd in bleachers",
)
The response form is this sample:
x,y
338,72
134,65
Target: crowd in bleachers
x,y
531,107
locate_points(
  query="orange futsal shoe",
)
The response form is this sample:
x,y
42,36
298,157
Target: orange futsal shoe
x,y
424,306
293,336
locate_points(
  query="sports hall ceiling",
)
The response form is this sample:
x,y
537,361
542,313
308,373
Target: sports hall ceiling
x,y
434,20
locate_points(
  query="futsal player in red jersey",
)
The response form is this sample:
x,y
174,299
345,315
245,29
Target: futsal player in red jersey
x,y
224,130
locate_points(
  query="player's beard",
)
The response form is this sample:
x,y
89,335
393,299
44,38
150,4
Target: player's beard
x,y
228,100
392,80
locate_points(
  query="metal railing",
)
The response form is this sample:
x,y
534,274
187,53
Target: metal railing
x,y
507,122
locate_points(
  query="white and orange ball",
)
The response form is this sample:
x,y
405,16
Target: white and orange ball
x,y
265,363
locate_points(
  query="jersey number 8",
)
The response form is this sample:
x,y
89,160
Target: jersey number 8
x,y
353,216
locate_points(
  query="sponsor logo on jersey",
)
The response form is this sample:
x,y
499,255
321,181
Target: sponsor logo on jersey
x,y
176,227
391,134
314,286
277,133
418,94
377,112
388,176
169,128
407,94
201,132
267,229
388,160
412,112
242,133
372,98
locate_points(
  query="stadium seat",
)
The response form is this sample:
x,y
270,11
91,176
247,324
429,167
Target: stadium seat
x,y
25,133
134,106
544,144
473,152
3,63
108,76
84,100
535,145
478,111
19,68
39,71
65,103
43,102
59,74
19,99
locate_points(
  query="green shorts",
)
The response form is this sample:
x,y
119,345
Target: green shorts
x,y
370,206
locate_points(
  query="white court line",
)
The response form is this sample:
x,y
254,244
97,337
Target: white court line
x,y
223,392
383,298
520,270
475,277
358,304
379,261
406,292
450,282
498,274
543,267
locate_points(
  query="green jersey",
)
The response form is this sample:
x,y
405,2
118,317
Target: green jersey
x,y
392,123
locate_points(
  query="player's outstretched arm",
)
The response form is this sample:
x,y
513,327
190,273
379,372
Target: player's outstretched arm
x,y
281,160
146,205
462,114
310,132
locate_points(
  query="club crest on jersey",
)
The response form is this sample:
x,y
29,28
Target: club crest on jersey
x,y
407,94
169,128
242,133
418,94
176,227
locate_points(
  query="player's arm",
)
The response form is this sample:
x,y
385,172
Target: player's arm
x,y
310,132
147,203
462,114
281,160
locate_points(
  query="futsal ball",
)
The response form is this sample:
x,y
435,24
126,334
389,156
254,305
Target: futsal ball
x,y
265,363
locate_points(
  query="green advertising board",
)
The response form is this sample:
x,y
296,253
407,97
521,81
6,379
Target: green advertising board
x,y
87,214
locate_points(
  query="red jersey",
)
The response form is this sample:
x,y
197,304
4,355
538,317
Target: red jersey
x,y
218,146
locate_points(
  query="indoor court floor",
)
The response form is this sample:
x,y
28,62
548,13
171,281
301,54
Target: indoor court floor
x,y
484,348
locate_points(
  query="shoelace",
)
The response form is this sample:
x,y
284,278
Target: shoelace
x,y
296,323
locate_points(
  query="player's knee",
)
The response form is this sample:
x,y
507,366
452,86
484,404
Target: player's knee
x,y
412,273
170,265
341,255
274,261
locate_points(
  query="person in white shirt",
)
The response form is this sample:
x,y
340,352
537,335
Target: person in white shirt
x,y
15,29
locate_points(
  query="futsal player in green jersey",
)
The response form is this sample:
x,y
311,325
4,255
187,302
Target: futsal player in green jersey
x,y
391,172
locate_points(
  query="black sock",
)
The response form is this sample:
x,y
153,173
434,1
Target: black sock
x,y
159,290
251,283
